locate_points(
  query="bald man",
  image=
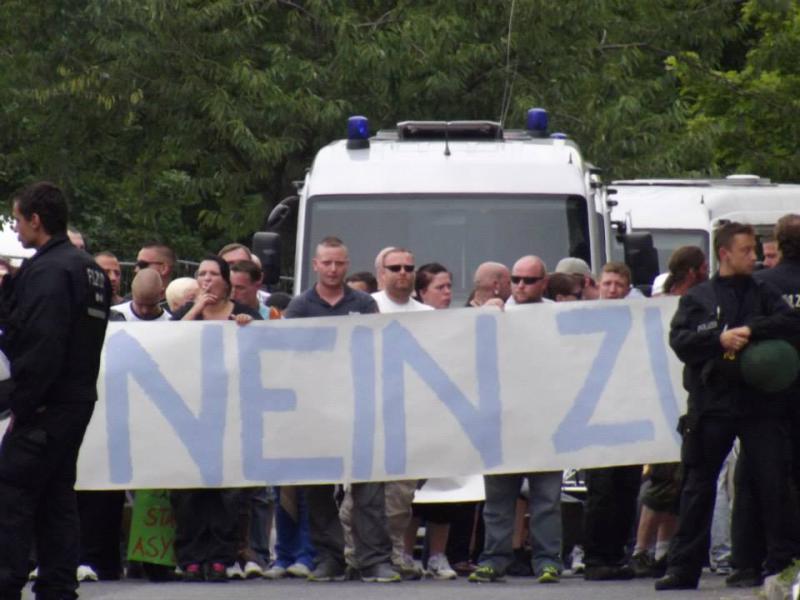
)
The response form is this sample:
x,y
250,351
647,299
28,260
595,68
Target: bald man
x,y
147,292
492,282
528,283
528,280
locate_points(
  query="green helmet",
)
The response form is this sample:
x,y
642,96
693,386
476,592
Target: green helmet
x,y
769,366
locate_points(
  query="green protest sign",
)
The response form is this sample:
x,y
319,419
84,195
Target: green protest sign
x,y
152,537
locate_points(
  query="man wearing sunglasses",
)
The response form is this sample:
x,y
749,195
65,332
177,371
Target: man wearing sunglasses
x,y
397,272
528,283
528,280
161,258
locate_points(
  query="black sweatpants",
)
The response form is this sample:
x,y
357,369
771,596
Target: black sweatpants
x,y
206,525
37,499
101,531
609,513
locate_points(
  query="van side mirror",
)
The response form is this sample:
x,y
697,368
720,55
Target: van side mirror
x,y
267,246
641,256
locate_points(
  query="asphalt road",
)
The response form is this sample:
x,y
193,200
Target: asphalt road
x,y
514,588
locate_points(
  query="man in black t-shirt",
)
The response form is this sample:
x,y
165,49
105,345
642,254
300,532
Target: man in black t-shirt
x,y
373,546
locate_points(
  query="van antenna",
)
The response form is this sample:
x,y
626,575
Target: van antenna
x,y
509,84
447,139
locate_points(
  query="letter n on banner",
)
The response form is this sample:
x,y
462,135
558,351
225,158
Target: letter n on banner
x,y
202,435
482,424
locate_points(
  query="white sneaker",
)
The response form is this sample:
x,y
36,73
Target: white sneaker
x,y
234,571
439,568
86,573
275,572
252,569
299,570
408,568
33,574
578,566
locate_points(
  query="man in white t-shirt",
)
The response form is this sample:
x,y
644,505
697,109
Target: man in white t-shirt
x,y
397,273
147,291
396,270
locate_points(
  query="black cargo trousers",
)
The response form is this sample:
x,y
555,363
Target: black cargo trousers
x,y
706,443
37,500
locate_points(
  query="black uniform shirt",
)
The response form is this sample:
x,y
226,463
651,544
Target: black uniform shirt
x,y
58,307
785,276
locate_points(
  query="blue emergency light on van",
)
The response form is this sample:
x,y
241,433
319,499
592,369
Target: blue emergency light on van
x,y
558,136
536,123
357,133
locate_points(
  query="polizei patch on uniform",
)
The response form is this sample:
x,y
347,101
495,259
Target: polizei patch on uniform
x,y
707,326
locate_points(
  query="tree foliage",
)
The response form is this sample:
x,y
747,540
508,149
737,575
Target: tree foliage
x,y
747,116
187,120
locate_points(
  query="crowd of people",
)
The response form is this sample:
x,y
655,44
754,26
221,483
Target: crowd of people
x,y
728,505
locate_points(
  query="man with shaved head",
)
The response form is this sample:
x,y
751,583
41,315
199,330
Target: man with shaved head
x,y
528,282
160,257
492,281
146,291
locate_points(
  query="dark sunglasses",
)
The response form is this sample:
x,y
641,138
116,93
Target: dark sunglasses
x,y
515,279
143,264
398,268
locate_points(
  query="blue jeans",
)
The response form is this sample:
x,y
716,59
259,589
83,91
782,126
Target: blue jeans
x,y
544,507
293,543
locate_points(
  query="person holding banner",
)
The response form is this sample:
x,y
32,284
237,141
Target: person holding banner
x,y
58,305
528,281
715,321
207,521
611,492
398,274
373,546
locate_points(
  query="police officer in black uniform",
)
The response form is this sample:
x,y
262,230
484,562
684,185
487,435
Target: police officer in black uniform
x,y
747,531
714,322
58,306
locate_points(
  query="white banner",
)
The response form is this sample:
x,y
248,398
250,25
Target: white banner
x,y
380,397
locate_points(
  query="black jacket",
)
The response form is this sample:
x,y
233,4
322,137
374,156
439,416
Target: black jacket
x,y
785,277
703,313
57,306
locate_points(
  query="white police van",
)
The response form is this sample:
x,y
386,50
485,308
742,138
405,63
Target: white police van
x,y
678,212
459,193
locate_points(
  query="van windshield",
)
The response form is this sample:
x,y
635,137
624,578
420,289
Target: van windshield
x,y
458,231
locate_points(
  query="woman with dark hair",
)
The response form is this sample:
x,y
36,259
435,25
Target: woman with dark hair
x,y
434,285
688,266
658,519
213,302
207,538
562,287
